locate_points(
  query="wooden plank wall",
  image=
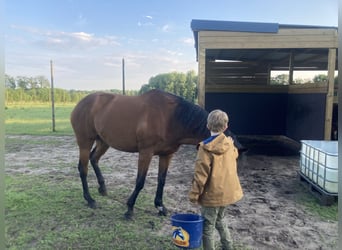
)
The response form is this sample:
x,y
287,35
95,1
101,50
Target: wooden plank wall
x,y
285,38
236,73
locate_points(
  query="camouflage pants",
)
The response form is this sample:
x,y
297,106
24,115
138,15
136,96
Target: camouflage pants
x,y
213,218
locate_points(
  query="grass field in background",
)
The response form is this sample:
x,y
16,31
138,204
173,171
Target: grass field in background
x,y
36,119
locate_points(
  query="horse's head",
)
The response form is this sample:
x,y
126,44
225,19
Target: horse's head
x,y
193,119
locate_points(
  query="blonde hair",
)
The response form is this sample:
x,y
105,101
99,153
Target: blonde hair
x,y
217,121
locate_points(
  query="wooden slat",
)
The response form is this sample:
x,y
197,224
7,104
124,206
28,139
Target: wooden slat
x,y
237,80
257,39
236,67
281,32
291,89
308,89
246,89
236,73
269,44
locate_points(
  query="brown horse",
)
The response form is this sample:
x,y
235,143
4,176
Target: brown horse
x,y
155,123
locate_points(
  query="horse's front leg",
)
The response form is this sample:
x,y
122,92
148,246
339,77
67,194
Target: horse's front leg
x,y
164,162
143,164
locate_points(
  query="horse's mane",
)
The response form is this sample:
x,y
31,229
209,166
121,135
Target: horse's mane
x,y
192,117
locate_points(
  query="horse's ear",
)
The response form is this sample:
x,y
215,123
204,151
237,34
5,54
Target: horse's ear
x,y
198,145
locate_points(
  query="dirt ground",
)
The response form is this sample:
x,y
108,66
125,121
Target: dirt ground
x,y
268,217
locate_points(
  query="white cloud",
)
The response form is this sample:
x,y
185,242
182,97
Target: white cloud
x,y
54,40
112,65
188,40
142,24
145,22
84,40
82,36
166,28
25,28
65,40
173,53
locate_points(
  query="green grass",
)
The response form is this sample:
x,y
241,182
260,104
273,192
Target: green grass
x,y
52,215
36,119
46,210
313,206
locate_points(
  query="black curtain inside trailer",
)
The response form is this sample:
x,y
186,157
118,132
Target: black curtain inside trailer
x,y
306,116
297,116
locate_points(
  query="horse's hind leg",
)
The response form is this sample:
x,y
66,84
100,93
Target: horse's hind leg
x,y
100,149
83,170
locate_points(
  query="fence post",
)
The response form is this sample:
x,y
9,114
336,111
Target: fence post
x,y
52,99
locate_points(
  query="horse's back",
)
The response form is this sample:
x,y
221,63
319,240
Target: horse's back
x,y
129,123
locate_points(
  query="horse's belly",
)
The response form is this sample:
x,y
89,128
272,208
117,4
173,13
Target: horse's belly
x,y
124,146
121,141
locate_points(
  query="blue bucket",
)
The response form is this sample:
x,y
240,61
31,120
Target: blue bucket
x,y
187,230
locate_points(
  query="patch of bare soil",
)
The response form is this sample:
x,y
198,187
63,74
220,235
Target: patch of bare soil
x,y
268,217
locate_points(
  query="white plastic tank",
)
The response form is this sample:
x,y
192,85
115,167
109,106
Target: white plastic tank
x,y
319,162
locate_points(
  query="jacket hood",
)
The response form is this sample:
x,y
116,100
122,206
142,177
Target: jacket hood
x,y
219,145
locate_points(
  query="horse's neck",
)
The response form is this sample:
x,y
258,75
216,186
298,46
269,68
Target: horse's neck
x,y
195,139
190,141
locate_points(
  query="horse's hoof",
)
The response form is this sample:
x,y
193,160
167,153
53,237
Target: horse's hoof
x,y
92,205
103,191
128,215
162,211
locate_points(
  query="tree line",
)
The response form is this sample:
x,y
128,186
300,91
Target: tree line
x,y
181,84
37,89
284,79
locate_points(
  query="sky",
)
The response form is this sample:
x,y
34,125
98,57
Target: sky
x,y
87,40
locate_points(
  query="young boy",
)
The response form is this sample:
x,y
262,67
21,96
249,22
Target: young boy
x,y
216,183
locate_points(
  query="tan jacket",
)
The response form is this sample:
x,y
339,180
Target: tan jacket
x,y
215,181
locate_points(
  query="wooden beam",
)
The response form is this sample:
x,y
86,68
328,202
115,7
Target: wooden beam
x,y
285,38
309,88
282,32
330,94
201,77
291,68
